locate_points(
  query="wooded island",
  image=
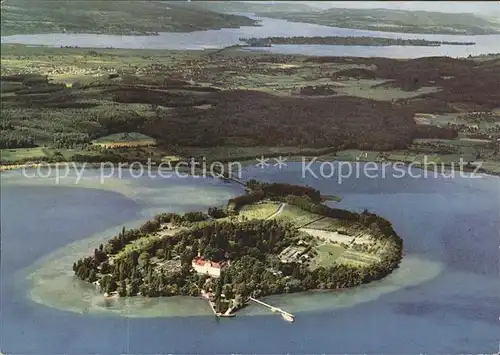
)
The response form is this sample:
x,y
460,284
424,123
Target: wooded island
x,y
274,239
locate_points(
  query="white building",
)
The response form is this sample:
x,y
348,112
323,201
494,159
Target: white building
x,y
207,267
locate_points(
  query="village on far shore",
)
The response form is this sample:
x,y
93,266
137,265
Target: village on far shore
x,y
274,239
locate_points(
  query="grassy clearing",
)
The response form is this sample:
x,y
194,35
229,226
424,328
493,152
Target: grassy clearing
x,y
327,255
296,215
138,245
259,211
22,153
326,223
289,84
357,258
364,88
142,243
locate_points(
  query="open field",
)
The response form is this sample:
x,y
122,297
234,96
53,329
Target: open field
x,y
327,255
333,237
22,153
357,258
296,215
372,89
329,247
326,223
141,243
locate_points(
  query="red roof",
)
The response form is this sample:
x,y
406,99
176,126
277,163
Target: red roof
x,y
203,262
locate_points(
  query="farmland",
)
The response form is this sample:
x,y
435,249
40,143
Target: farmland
x,y
227,104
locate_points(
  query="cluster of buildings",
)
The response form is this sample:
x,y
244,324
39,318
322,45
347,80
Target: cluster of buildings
x,y
293,254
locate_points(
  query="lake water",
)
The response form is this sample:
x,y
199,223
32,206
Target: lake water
x,y
445,297
199,40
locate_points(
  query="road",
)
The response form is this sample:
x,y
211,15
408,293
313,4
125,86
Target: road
x,y
280,209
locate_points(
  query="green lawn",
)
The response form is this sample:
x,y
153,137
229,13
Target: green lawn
x,y
357,258
296,215
22,153
326,223
12,155
259,211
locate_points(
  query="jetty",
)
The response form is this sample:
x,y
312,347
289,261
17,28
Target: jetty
x,y
286,315
228,313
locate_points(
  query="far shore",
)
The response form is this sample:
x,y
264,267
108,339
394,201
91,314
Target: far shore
x,y
348,41
246,162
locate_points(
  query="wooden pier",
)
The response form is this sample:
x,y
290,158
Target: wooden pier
x,y
286,315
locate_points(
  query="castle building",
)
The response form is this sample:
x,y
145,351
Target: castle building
x,y
207,267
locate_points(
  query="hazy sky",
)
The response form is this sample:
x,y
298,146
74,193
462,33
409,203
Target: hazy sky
x,y
491,8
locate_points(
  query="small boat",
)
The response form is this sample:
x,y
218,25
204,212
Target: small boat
x,y
288,317
226,315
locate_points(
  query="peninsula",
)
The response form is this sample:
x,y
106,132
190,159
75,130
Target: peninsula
x,y
274,239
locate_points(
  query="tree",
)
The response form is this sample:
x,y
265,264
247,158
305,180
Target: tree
x,y
228,291
111,286
143,260
122,290
92,276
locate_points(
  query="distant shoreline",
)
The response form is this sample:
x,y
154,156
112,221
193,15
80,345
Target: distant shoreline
x,y
246,162
348,41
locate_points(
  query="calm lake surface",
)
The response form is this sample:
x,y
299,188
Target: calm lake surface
x,y
445,297
200,40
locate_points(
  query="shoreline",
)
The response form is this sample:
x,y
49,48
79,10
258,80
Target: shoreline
x,y
246,162
346,41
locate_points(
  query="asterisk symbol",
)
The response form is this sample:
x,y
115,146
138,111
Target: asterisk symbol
x,y
280,162
262,162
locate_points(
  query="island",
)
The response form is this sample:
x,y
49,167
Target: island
x,y
348,41
274,239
